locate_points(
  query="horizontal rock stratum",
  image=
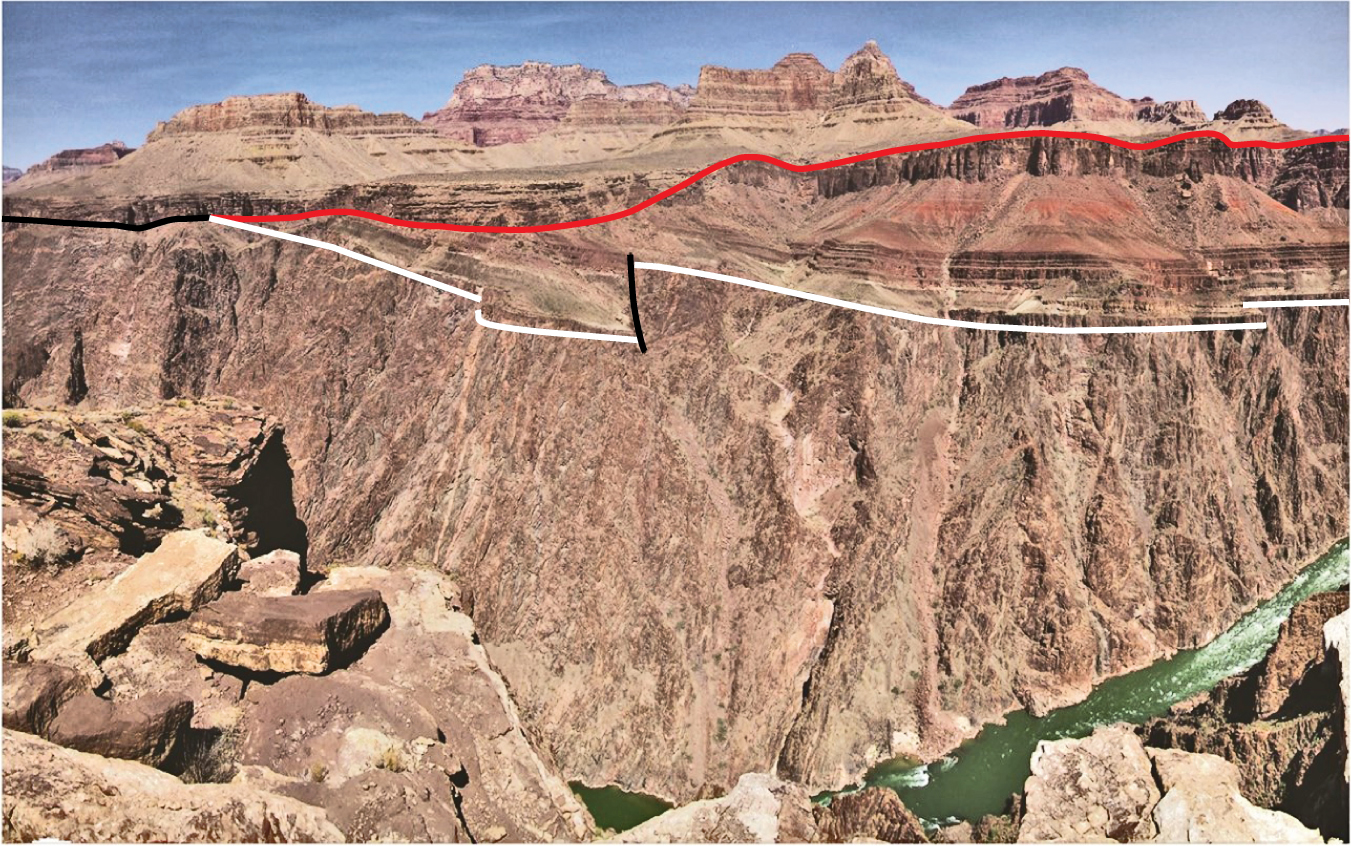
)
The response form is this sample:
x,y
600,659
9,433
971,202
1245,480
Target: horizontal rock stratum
x,y
287,634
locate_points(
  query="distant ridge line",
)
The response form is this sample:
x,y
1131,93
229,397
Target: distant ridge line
x,y
807,168
103,224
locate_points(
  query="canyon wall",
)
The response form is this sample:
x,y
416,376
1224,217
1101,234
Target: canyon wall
x,y
495,105
789,535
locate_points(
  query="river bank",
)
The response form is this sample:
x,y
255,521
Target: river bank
x,y
979,776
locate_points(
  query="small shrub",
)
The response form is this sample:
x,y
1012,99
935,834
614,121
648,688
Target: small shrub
x,y
13,419
44,545
318,772
391,759
137,426
183,403
721,734
209,756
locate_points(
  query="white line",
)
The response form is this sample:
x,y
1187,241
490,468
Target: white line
x,y
943,321
324,245
556,333
1294,303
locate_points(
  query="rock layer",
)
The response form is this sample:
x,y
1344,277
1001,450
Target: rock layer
x,y
287,634
1057,96
51,792
508,105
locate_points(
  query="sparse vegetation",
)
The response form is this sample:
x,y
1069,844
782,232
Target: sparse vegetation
x,y
137,426
391,759
318,772
209,756
721,734
44,545
13,419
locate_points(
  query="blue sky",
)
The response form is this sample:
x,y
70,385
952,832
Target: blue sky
x,y
80,74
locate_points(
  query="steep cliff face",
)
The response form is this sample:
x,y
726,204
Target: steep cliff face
x,y
278,113
66,163
1280,723
83,158
797,83
799,105
269,142
803,529
789,535
1056,96
1175,112
507,105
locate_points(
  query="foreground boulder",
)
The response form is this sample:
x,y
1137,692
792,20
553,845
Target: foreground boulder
x,y
276,574
417,739
35,691
759,809
1110,787
1203,805
872,814
147,729
287,634
1280,723
1101,785
60,793
188,570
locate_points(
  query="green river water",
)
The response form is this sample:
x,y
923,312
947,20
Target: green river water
x,y
980,775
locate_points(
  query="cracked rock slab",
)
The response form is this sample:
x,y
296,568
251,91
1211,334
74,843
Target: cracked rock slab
x,y
312,633
187,570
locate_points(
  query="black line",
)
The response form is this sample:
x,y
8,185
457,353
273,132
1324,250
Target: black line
x,y
103,224
633,306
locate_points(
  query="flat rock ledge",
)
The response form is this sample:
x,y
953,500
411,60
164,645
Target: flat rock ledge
x,y
60,793
311,633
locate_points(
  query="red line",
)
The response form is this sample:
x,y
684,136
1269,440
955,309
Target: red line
x,y
807,168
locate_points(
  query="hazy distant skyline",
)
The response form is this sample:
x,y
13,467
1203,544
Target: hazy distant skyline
x,y
81,74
